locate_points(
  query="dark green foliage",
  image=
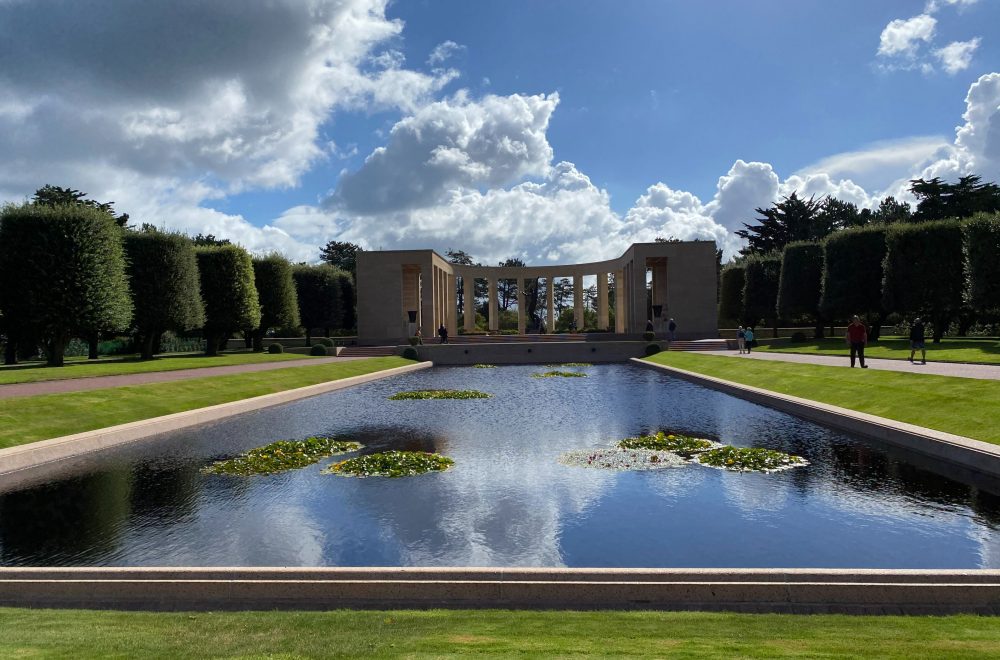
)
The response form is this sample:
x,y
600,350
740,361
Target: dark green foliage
x,y
939,200
410,353
791,219
982,246
320,294
275,348
163,272
890,211
649,335
56,196
341,255
760,292
228,291
924,271
652,349
326,341
733,280
798,337
852,273
62,272
348,299
209,240
318,350
801,282
279,303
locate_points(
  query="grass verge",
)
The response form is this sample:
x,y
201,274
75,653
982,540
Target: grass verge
x,y
964,406
985,350
33,372
29,419
99,634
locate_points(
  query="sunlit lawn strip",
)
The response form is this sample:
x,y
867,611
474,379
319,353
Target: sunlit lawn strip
x,y
949,350
965,406
424,633
28,419
281,456
34,372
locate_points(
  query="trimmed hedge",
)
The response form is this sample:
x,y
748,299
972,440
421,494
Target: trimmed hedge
x,y
227,287
320,291
279,304
801,280
318,350
760,289
731,294
275,348
982,249
852,273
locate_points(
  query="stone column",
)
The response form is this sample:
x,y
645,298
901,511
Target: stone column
x,y
469,302
550,305
427,303
578,301
452,299
521,323
619,301
494,320
602,301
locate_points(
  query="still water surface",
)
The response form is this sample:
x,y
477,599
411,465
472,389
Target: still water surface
x,y
507,501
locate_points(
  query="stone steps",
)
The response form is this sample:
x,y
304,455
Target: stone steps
x,y
367,351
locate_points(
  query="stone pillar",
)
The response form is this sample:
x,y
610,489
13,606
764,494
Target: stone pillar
x,y
602,301
452,307
469,302
550,305
521,323
619,301
578,301
659,293
427,303
494,320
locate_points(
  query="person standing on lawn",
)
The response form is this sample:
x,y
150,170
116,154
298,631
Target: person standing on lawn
x,y
857,337
917,341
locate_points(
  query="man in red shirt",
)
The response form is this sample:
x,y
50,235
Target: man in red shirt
x,y
857,337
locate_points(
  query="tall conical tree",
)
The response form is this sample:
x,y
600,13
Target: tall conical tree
x,y
279,302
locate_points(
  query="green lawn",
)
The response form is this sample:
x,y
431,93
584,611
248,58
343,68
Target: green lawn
x,y
949,350
435,633
965,406
28,419
32,372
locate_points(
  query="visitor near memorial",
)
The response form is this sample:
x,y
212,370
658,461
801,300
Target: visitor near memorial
x,y
857,337
748,339
917,341
741,339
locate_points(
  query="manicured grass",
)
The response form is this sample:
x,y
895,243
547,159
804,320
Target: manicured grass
x,y
949,350
32,372
102,634
28,419
965,406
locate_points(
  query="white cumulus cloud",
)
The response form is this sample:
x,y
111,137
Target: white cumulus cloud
x,y
903,36
957,56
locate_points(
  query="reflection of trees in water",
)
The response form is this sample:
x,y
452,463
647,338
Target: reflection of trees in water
x,y
165,493
73,521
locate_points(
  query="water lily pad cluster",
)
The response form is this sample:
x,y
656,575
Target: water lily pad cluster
x,y
675,442
749,459
484,366
439,394
616,458
282,455
559,374
571,364
391,464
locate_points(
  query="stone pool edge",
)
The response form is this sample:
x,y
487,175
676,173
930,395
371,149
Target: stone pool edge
x,y
43,452
968,453
853,591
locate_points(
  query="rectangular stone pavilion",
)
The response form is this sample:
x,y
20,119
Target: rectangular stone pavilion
x,y
402,290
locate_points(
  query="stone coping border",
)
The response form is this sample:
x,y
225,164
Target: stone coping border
x,y
856,591
35,454
975,455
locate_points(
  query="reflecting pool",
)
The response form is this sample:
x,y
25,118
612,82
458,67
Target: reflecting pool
x,y
507,501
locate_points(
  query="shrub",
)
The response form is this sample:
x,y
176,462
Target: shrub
x,y
326,341
410,353
278,300
652,349
275,348
649,335
318,350
852,272
227,287
982,247
798,337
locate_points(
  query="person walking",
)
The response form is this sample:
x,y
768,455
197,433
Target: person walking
x,y
419,336
748,338
857,337
741,339
672,327
917,341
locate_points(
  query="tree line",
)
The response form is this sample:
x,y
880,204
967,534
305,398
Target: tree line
x,y
70,267
821,261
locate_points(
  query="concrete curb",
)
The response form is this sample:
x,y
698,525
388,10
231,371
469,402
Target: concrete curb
x,y
756,590
69,446
968,453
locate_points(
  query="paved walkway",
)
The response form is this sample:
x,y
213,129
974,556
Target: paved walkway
x,y
101,382
961,370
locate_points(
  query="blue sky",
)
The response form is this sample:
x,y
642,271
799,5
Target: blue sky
x,y
556,131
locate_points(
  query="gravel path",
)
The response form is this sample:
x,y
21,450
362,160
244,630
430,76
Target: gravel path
x,y
961,370
101,382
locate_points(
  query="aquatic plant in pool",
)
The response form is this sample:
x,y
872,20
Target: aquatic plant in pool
x,y
616,458
749,459
484,366
282,455
675,442
412,395
391,464
559,374
571,364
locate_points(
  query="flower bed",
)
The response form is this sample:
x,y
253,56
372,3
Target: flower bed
x,y
391,464
559,374
675,442
749,459
439,394
282,455
622,459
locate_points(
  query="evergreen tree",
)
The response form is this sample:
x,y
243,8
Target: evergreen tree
x,y
279,304
792,219
341,255
227,288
